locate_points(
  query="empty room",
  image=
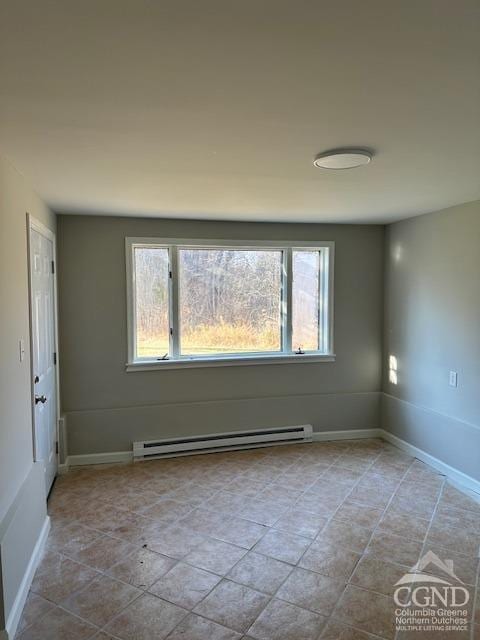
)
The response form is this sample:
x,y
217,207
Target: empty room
x,y
239,320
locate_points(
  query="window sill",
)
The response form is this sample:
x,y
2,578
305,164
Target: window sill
x,y
196,363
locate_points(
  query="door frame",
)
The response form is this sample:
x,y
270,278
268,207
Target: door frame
x,y
35,225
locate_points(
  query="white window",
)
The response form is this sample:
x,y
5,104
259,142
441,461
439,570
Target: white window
x,y
201,303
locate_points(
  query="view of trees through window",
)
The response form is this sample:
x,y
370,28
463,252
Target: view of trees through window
x,y
151,297
229,300
305,300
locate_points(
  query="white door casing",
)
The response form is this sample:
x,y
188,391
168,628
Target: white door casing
x,y
43,348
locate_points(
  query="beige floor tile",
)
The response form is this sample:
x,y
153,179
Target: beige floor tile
x,y
356,463
404,524
417,490
367,611
210,511
148,613
282,546
137,501
459,540
337,631
465,567
370,496
174,542
216,556
103,517
330,560
279,495
138,529
260,572
311,590
100,600
168,510
262,511
245,487
376,575
296,480
192,493
361,515
319,505
282,621
327,489
390,471
348,535
421,507
58,625
103,553
232,605
195,627
185,585
226,502
459,500
58,577
35,608
396,549
302,523
420,472
206,520
375,481
71,538
242,533
142,568
342,475
447,516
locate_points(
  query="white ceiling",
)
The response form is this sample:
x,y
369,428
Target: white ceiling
x,y
215,108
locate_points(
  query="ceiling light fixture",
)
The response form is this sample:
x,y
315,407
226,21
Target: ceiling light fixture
x,y
343,158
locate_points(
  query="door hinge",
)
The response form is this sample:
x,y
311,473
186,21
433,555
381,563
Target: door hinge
x,y
171,331
56,447
53,266
170,274
54,358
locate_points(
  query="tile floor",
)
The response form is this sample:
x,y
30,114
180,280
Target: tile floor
x,y
297,542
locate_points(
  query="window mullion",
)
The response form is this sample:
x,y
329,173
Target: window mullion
x,y
174,304
287,300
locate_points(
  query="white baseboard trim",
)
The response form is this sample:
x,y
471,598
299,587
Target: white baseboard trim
x,y
456,477
462,480
350,434
127,456
99,458
21,597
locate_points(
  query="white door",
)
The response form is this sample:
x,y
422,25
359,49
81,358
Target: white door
x,y
43,351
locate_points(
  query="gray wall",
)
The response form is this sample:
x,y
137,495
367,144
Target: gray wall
x,y
107,408
432,326
16,448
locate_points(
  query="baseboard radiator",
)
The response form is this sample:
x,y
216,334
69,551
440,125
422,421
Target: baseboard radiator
x,y
213,442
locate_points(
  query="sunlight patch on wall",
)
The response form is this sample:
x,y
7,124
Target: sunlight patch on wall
x,y
392,369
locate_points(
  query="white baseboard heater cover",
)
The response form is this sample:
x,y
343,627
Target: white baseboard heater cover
x,y
213,442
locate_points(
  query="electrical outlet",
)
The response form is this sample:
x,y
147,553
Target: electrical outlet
x,y
453,379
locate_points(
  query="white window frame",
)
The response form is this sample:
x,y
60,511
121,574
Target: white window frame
x,y
177,361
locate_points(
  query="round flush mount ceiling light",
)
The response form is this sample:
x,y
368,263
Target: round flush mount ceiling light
x,y
343,158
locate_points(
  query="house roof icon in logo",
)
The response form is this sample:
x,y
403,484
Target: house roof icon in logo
x,y
416,572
